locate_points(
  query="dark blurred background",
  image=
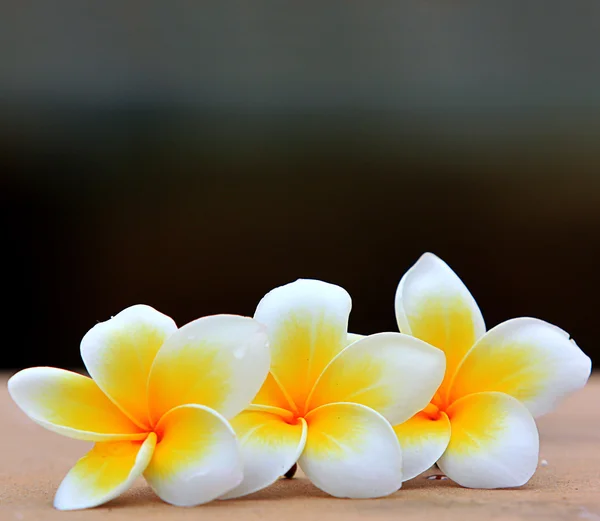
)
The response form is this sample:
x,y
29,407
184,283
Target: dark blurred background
x,y
194,155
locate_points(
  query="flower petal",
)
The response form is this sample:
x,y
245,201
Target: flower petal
x,y
70,404
394,374
219,361
527,358
196,459
269,445
494,442
272,394
104,473
307,322
351,451
423,439
433,304
353,337
118,355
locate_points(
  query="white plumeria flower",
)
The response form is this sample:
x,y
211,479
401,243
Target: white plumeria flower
x,y
326,405
479,427
157,404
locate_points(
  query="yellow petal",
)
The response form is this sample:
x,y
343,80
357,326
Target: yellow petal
x,y
433,304
272,394
104,473
269,445
527,358
197,458
394,374
423,439
70,404
494,442
219,361
351,451
118,355
307,322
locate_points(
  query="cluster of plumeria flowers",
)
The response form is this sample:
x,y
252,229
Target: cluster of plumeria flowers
x,y
225,405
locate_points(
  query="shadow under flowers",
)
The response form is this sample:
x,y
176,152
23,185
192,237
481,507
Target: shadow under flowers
x,y
142,496
299,488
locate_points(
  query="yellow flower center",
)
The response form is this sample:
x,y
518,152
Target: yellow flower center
x,y
433,412
294,418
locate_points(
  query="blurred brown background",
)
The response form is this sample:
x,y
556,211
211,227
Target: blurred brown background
x,y
192,156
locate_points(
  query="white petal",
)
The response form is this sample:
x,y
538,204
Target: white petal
x,y
394,374
70,404
423,439
219,361
351,451
527,358
307,322
197,458
104,473
118,355
353,337
494,442
269,445
433,304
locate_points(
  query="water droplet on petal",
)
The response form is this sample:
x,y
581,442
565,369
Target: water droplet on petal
x,y
239,353
439,477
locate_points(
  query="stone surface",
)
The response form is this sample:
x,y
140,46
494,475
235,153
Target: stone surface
x,y
33,462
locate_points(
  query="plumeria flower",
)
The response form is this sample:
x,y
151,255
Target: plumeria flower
x,y
479,427
156,404
328,406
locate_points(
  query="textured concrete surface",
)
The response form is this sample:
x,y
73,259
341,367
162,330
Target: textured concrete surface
x,y
566,486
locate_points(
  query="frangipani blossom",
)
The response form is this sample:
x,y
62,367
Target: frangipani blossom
x,y
327,405
479,427
156,404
